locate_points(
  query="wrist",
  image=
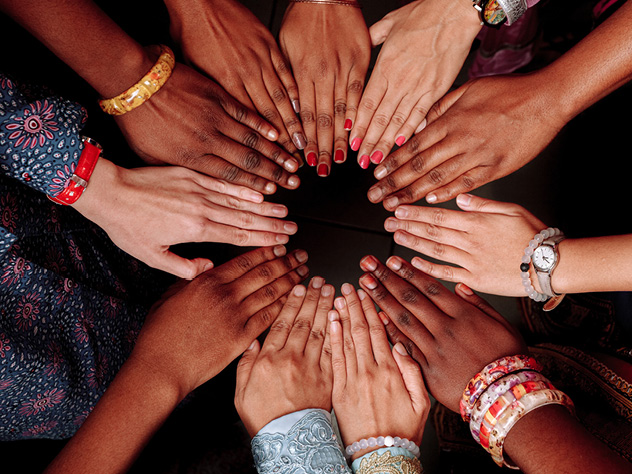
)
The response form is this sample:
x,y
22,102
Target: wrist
x,y
100,192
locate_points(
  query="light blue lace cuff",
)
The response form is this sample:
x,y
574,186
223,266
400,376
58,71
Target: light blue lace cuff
x,y
303,442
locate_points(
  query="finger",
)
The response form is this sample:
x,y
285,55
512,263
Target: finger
x,y
264,317
324,125
435,216
371,100
304,321
259,284
415,120
281,328
380,30
355,88
359,327
318,338
247,117
430,232
267,209
377,333
468,295
382,117
233,212
338,360
397,336
179,266
438,250
442,272
340,110
244,369
340,304
387,139
308,119
242,264
413,380
225,188
284,72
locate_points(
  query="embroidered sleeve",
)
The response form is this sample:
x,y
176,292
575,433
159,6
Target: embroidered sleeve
x,y
299,443
387,461
39,137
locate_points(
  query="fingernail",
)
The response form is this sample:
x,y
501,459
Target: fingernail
x,y
282,239
301,256
464,199
312,159
290,227
364,161
390,225
279,250
361,294
340,302
375,194
430,198
293,181
368,281
391,202
380,172
299,290
355,144
296,105
273,135
299,140
335,327
400,140
332,315
302,271
466,289
208,267
290,165
323,170
383,318
368,263
346,289
279,211
270,188
394,263
252,345
299,159
326,290
377,157
339,156
317,282
348,124
401,212
399,347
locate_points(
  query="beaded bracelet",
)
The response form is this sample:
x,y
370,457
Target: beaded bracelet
x,y
143,89
348,3
494,392
526,260
519,409
492,372
380,441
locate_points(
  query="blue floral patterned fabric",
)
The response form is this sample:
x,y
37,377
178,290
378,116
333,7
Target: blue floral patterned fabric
x,y
71,302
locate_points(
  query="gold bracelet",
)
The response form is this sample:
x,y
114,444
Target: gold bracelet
x,y
143,89
348,3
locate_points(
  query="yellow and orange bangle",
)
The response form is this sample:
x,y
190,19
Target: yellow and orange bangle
x,y
140,92
78,182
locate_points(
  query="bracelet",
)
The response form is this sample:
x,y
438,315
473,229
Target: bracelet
x,y
386,462
380,441
348,3
78,182
492,372
143,89
526,259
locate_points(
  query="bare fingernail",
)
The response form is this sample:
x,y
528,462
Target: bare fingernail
x,y
317,282
394,263
299,140
335,327
369,282
431,198
375,194
290,165
272,135
299,290
290,227
391,202
208,267
296,105
302,271
270,188
347,289
464,199
466,289
390,224
332,315
401,212
368,263
327,290
399,347
279,211
299,159
340,302
282,239
361,294
252,345
293,181
383,318
380,172
301,256
279,250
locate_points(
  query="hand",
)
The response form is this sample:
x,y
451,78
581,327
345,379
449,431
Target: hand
x,y
329,50
486,242
424,49
292,371
193,122
475,135
249,66
194,333
146,210
451,335
377,391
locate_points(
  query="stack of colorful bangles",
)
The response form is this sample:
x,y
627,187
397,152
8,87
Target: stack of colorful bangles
x,y
500,395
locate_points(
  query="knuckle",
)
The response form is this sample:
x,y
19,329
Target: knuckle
x,y
277,174
448,273
436,176
246,220
322,68
278,95
433,231
379,294
270,293
391,183
418,164
270,115
230,173
241,237
368,104
413,144
307,116
432,289
381,120
303,325
244,262
438,217
325,121
355,87
438,250
409,296
398,119
252,160
340,108
403,318
292,121
264,271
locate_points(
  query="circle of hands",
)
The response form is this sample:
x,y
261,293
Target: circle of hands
x,y
261,107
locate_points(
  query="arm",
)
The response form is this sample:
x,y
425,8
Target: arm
x,y
187,339
454,154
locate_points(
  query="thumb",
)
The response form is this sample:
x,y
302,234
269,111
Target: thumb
x,y
244,368
182,267
413,380
380,30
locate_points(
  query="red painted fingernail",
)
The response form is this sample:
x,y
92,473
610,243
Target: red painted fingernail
x,y
355,144
348,124
312,159
323,170
364,162
400,140
339,156
377,157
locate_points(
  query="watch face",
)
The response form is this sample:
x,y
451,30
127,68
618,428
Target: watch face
x,y
544,257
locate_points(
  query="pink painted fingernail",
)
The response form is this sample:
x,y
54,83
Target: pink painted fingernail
x,y
377,157
400,140
339,156
323,170
355,144
364,162
311,158
348,124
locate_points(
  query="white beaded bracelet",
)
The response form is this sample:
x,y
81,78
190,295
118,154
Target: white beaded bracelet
x,y
526,260
380,441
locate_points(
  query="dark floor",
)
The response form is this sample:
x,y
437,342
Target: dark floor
x,y
579,183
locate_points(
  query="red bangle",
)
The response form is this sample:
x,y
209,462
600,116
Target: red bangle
x,y
79,180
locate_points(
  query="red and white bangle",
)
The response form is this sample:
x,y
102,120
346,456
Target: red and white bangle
x,y
79,180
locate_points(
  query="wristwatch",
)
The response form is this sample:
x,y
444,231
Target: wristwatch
x,y
545,258
497,12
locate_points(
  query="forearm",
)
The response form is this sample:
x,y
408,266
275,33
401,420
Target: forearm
x,y
132,409
594,264
596,66
86,39
550,440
